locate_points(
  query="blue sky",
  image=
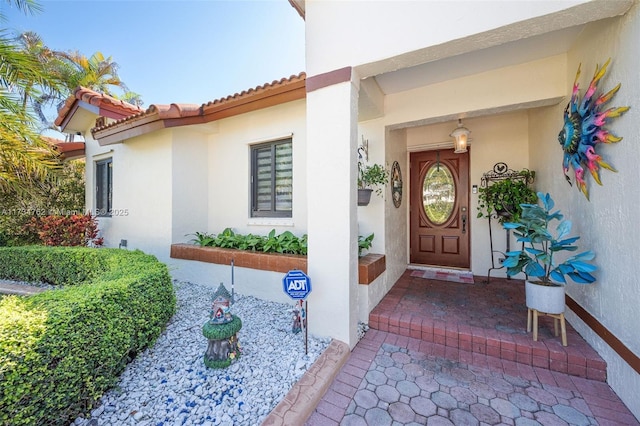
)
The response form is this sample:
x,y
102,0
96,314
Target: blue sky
x,y
176,51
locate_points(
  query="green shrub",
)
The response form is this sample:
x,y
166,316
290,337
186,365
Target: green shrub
x,y
61,350
70,266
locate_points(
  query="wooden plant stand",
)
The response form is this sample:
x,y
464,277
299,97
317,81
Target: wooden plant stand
x,y
556,317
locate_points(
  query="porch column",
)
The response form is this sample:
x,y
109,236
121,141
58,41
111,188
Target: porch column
x,y
332,111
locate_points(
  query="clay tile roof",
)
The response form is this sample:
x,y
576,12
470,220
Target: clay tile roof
x,y
174,110
67,150
161,116
109,106
275,84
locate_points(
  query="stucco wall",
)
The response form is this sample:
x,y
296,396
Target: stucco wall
x,y
531,83
141,192
366,32
396,219
261,284
190,182
229,169
212,176
607,222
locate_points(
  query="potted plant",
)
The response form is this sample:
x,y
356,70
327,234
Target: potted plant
x,y
503,197
538,256
370,177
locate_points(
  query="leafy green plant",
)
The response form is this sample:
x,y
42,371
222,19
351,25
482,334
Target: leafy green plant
x,y
364,243
285,242
505,196
537,259
374,176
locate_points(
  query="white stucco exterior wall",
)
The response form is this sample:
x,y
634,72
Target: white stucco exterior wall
x,y
142,200
189,182
365,32
606,222
532,83
331,181
229,165
215,160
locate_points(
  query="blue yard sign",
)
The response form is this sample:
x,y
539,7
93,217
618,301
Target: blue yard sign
x,y
297,285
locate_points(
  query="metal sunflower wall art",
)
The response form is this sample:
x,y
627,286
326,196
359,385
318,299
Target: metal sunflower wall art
x,y
584,128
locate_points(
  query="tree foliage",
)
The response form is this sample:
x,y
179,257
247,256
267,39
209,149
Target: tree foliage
x,y
34,77
23,153
60,192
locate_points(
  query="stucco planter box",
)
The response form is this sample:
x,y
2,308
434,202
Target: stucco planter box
x,y
370,266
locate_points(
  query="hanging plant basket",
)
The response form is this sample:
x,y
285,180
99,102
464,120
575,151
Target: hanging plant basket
x,y
364,196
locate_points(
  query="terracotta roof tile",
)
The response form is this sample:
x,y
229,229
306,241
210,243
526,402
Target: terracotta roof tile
x,y
175,110
66,150
112,107
161,116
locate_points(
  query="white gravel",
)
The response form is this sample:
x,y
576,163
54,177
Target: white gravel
x,y
169,384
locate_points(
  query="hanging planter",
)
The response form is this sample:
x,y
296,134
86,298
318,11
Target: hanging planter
x,y
369,177
364,196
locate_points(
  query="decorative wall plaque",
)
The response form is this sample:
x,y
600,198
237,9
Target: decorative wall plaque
x,y
396,184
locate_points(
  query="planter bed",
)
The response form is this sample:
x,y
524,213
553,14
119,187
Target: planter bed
x,y
370,266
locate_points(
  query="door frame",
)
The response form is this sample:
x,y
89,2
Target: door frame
x,y
467,199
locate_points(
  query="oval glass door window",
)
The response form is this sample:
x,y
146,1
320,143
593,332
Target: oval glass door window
x,y
438,193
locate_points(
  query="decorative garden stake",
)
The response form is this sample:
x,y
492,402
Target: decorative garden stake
x,y
296,327
221,330
583,129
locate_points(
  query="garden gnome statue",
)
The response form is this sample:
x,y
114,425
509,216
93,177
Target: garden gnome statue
x,y
221,331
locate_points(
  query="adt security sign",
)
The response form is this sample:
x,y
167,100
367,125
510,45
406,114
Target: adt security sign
x,y
297,285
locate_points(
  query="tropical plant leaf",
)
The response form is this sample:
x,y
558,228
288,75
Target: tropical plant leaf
x,y
563,229
581,278
583,266
558,277
534,269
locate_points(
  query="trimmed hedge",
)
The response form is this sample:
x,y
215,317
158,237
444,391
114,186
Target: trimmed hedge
x,y
63,267
61,350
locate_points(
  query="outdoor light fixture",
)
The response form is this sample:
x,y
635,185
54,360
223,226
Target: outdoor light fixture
x,y
461,135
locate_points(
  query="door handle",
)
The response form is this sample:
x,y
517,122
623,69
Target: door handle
x,y
464,220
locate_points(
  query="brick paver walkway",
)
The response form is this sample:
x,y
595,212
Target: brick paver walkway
x,y
449,353
398,380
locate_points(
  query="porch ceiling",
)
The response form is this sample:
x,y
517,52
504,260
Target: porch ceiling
x,y
515,44
475,62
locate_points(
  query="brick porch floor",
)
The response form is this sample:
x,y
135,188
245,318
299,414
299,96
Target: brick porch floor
x,y
447,353
483,320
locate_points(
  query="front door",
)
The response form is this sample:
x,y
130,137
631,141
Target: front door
x,y
440,208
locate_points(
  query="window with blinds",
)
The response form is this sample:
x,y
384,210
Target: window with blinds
x,y
104,187
272,179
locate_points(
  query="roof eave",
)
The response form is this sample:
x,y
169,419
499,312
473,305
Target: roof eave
x,y
137,126
299,6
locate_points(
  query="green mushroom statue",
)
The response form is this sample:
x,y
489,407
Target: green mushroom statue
x,y
221,331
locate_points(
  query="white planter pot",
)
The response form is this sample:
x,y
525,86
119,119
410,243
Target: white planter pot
x,y
543,298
